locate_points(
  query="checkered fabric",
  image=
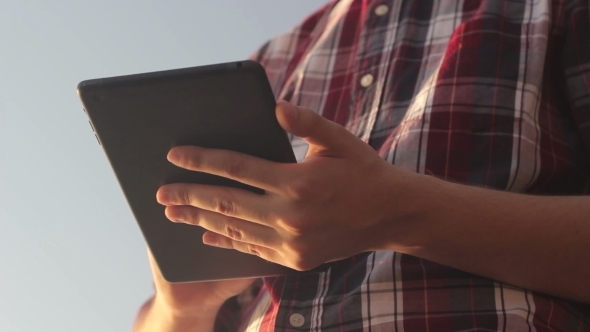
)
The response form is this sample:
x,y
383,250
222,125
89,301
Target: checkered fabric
x,y
490,93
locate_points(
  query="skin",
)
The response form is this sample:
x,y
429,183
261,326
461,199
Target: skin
x,y
344,199
187,307
328,207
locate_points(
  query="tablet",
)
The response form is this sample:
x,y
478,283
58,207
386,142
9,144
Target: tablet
x,y
138,118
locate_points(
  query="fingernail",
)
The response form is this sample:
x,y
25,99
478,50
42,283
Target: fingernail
x,y
176,219
164,197
173,215
210,240
173,156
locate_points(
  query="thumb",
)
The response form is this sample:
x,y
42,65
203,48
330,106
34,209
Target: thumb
x,y
312,127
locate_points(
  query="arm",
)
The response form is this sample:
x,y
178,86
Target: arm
x,y
344,199
536,242
154,316
190,307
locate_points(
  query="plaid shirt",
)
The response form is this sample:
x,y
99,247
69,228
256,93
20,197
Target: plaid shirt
x,y
491,93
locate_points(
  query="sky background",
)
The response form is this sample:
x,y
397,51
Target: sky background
x,y
71,256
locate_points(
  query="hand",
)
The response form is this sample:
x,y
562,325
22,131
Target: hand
x,y
188,299
327,207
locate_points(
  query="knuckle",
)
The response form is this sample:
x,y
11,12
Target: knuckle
x,y
225,206
233,233
253,250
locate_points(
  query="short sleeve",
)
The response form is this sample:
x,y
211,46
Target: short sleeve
x,y
281,54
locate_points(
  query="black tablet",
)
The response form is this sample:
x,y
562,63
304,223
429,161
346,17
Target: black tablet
x,y
138,118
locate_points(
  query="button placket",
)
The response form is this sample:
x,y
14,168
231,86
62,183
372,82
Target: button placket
x,y
379,84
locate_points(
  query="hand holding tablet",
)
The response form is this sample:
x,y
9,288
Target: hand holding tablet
x,y
139,118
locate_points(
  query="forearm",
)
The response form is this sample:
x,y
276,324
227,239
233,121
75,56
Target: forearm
x,y
153,316
536,242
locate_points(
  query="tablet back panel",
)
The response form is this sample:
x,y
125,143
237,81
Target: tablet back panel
x,y
138,118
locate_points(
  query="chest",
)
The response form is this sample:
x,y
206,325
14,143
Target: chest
x,y
464,90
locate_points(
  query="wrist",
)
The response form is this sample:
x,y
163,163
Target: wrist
x,y
202,315
414,204
155,315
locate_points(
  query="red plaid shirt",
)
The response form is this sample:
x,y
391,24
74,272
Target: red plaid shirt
x,y
491,93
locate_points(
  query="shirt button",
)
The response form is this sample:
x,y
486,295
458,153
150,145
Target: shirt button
x,y
381,10
367,80
297,320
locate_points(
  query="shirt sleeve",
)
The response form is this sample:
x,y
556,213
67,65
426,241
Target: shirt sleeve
x,y
576,65
229,316
281,55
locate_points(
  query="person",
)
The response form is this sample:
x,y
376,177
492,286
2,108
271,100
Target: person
x,y
444,169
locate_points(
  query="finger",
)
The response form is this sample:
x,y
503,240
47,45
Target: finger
x,y
233,228
159,282
313,128
233,165
220,241
154,266
227,201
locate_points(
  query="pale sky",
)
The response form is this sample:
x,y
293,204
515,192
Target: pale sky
x,y
71,256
